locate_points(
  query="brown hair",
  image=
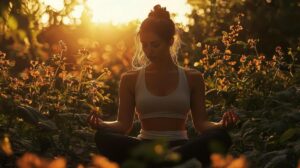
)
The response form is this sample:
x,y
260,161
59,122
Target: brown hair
x,y
160,23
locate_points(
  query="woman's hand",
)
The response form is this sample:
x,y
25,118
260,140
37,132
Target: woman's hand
x,y
229,118
94,121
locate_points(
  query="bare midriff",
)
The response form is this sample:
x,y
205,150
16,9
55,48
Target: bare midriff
x,y
163,124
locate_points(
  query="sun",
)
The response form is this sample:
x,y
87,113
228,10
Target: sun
x,y
124,11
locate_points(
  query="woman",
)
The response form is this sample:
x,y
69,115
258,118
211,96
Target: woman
x,y
162,94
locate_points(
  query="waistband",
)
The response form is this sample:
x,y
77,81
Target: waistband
x,y
168,135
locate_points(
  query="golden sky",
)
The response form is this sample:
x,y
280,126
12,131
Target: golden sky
x,y
122,11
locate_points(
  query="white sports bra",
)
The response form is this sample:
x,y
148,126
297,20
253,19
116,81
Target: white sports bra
x,y
174,105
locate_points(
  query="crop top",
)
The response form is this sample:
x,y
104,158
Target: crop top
x,y
174,105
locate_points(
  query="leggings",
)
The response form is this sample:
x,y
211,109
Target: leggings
x,y
117,147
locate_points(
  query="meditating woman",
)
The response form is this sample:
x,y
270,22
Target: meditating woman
x,y
162,94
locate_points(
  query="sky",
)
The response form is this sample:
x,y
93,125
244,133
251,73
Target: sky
x,y
122,11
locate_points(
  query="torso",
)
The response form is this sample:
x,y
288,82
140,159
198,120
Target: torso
x,y
160,84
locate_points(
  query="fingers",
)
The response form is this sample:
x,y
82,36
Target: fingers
x,y
229,118
93,120
91,116
235,117
225,120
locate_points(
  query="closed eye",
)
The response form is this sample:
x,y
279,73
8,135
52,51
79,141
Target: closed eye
x,y
155,44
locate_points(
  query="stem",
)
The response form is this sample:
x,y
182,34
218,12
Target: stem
x,y
56,72
256,52
80,79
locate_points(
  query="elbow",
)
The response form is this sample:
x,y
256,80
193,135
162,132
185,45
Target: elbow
x,y
201,124
125,128
199,129
128,130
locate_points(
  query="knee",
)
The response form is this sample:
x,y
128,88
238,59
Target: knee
x,y
101,136
218,132
220,135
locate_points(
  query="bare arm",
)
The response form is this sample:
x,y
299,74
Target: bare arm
x,y
124,121
199,114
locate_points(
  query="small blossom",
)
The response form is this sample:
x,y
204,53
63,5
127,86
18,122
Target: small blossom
x,y
103,162
173,156
213,65
216,50
62,45
186,61
242,70
34,63
198,44
158,149
232,63
2,55
227,52
63,75
84,51
243,58
279,51
205,52
6,146
252,42
219,62
227,57
34,73
261,57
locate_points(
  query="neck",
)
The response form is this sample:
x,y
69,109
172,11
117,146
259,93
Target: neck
x,y
163,64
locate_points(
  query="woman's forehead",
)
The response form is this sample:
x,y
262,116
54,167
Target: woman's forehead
x,y
149,37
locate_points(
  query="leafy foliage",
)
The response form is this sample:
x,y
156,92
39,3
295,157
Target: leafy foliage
x,y
249,61
242,78
265,91
47,105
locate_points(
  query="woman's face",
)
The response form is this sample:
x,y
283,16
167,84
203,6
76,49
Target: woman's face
x,y
153,46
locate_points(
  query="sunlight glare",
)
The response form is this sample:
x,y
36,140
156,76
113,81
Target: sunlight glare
x,y
56,5
45,18
117,11
76,13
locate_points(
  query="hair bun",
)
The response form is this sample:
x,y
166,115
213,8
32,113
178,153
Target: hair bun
x,y
159,12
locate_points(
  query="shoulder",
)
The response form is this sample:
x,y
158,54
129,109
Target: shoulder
x,y
194,78
193,75
129,75
129,78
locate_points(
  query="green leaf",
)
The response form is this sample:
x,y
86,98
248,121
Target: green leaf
x,y
28,114
288,134
244,44
47,125
83,134
22,34
66,115
278,161
34,117
12,23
